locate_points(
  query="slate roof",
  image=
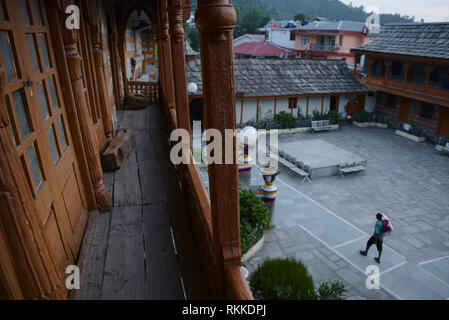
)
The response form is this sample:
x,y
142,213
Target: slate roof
x,y
261,49
251,37
333,26
420,39
286,77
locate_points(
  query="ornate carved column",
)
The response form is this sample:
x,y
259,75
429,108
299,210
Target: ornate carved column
x,y
165,60
115,59
179,64
216,20
408,68
102,89
74,59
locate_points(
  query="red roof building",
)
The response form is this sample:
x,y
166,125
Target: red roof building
x,y
261,49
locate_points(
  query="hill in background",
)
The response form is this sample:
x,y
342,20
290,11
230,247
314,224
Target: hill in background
x,y
331,9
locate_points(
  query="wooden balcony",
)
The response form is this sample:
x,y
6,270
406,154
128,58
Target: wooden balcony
x,y
408,89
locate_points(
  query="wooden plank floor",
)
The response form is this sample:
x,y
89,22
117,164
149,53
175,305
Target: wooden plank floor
x,y
144,248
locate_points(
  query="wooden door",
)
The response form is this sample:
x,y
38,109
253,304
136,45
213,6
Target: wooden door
x,y
443,127
39,129
405,110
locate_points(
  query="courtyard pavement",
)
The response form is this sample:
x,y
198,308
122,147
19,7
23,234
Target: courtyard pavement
x,y
326,222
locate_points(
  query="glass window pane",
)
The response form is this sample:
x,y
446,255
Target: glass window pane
x,y
12,135
24,9
33,53
34,165
22,116
44,48
37,12
54,99
8,57
43,100
52,141
61,134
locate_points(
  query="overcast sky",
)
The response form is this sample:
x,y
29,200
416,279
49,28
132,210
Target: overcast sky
x,y
429,10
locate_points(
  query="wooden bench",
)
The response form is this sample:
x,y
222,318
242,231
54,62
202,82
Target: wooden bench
x,y
321,125
304,175
445,149
356,169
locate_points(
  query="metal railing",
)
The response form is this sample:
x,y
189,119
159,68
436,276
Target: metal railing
x,y
323,48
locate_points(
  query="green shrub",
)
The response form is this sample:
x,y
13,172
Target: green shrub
x,y
363,117
334,116
331,291
255,219
289,279
282,279
286,119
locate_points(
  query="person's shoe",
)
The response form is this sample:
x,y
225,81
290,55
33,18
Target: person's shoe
x,y
363,253
377,260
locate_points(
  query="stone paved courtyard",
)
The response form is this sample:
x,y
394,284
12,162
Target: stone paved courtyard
x,y
325,222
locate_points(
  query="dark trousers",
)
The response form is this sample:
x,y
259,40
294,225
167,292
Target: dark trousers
x,y
372,241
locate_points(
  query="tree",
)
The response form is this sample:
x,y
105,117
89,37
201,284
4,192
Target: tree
x,y
193,36
301,16
253,19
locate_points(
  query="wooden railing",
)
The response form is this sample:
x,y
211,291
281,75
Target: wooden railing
x,y
149,89
230,277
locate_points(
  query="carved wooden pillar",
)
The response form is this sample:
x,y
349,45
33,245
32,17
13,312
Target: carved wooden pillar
x,y
216,20
91,145
165,59
102,88
387,65
179,64
408,67
115,59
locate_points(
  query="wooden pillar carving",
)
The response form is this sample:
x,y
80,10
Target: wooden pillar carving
x,y
387,65
407,71
115,59
165,59
179,64
102,88
216,20
74,59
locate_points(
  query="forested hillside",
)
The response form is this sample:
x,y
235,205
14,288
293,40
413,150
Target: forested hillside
x,y
331,9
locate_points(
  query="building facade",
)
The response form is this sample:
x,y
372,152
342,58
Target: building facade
x,y
266,87
408,66
330,40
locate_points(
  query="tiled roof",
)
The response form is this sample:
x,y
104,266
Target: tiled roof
x,y
333,25
421,39
261,49
251,37
286,77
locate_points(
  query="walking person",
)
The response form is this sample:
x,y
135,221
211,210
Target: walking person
x,y
376,239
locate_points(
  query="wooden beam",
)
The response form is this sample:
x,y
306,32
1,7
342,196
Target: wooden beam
x,y
322,105
74,61
179,64
257,111
275,105
241,111
307,112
